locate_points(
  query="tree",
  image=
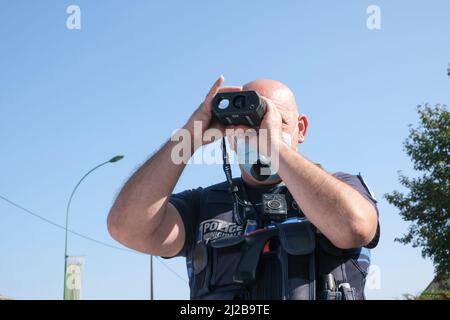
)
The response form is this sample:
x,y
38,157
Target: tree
x,y
427,203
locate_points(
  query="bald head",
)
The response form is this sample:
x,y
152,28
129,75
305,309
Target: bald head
x,y
276,91
280,94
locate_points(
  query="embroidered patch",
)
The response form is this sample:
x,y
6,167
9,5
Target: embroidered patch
x,y
213,229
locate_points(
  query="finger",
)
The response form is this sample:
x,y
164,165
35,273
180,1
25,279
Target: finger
x,y
215,88
230,89
271,107
269,104
208,99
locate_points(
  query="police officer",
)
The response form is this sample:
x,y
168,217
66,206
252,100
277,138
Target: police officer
x,y
339,207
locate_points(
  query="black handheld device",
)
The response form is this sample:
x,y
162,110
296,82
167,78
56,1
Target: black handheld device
x,y
239,108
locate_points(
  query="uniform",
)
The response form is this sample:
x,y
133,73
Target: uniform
x,y
214,249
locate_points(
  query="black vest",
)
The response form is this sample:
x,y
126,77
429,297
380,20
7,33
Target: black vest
x,y
289,260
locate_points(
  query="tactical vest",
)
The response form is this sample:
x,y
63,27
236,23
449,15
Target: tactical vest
x,y
289,260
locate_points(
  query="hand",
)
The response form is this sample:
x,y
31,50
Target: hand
x,y
266,138
203,116
271,137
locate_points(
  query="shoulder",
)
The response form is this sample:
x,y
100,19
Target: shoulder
x,y
204,194
356,181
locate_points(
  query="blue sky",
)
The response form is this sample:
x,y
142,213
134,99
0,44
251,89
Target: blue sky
x,y
70,99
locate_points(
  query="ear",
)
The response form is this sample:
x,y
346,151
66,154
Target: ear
x,y
302,125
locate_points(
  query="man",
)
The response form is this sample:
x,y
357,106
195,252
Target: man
x,y
147,217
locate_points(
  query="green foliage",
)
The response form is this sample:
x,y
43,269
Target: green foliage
x,y
436,295
427,203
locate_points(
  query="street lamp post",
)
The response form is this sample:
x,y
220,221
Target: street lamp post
x,y
151,277
112,160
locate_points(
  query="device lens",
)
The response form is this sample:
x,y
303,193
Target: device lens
x,y
239,102
224,103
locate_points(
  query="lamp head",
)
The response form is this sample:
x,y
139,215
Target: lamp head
x,y
116,158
